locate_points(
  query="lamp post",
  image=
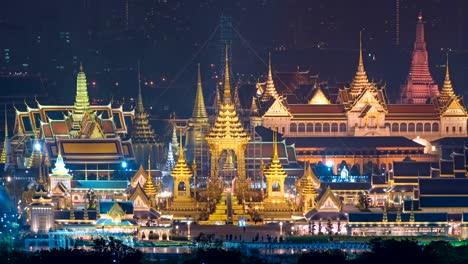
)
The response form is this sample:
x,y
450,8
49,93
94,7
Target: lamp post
x,y
281,229
188,229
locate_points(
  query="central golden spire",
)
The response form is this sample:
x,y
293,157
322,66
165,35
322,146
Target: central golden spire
x,y
227,82
81,99
139,109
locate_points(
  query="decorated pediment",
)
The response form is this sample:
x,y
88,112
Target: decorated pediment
x,y
454,108
140,199
369,103
319,98
277,109
140,177
329,202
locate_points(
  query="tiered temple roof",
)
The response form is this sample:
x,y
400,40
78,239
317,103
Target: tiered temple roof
x,y
199,114
227,123
419,86
142,133
269,92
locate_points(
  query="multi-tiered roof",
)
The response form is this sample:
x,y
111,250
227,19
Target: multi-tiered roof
x,y
142,132
227,124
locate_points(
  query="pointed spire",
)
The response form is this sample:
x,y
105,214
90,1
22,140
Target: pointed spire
x,y
199,109
149,187
170,162
175,143
142,132
270,89
81,99
4,155
139,108
360,80
447,90
181,169
254,108
361,61
420,31
275,146
227,82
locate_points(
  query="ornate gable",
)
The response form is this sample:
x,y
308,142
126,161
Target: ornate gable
x,y
140,199
277,109
319,97
369,98
454,108
140,177
329,202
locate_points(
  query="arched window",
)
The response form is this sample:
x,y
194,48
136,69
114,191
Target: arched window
x,y
293,128
318,127
395,127
427,127
419,127
181,186
326,127
411,127
310,127
435,127
275,187
334,127
342,127
301,128
387,124
403,127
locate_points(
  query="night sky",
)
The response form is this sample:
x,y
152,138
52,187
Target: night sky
x,y
51,37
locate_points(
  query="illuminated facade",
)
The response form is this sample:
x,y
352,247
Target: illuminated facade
x,y
362,110
419,87
92,137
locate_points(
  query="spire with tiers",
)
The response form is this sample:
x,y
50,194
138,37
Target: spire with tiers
x,y
309,183
4,155
175,143
419,85
227,133
142,132
227,123
170,158
360,80
60,174
270,89
181,173
199,114
447,92
275,173
81,99
150,188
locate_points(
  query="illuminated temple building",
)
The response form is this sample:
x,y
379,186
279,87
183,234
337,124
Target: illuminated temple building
x,y
91,138
305,162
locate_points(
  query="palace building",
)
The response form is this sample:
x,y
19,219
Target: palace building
x,y
91,138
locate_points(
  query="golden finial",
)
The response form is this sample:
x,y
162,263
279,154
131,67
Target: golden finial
x,y
81,67
149,164
140,109
361,62
199,83
447,67
270,75
420,15
181,148
275,147
227,85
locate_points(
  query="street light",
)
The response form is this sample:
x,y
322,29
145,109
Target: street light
x,y
188,229
281,229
